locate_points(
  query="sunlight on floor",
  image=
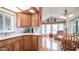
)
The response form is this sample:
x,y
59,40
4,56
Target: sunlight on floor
x,y
50,44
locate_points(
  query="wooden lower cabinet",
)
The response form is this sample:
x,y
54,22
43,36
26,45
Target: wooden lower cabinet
x,y
5,45
6,48
17,44
12,44
35,43
39,43
31,43
21,43
27,43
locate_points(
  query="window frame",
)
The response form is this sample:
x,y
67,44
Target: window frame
x,y
51,29
4,22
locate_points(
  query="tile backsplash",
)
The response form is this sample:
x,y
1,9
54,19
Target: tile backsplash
x,y
16,31
37,30
24,30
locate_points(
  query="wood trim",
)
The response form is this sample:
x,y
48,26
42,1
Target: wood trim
x,y
26,11
53,23
35,9
8,10
19,8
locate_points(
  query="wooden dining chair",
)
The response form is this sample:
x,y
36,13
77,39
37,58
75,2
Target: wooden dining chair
x,y
69,43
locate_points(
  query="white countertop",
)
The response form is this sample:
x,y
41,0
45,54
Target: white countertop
x,y
16,35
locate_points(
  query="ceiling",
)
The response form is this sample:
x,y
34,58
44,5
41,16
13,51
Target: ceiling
x,y
28,10
58,11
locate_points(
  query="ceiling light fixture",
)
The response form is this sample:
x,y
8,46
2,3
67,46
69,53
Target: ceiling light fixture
x,y
66,14
71,15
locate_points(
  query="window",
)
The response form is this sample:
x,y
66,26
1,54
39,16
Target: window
x,y
60,27
51,28
54,28
43,29
74,27
48,28
1,22
6,22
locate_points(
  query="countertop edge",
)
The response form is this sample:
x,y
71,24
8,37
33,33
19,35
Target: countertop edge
x,y
17,35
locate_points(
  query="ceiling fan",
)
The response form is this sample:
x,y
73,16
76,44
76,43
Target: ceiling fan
x,y
66,14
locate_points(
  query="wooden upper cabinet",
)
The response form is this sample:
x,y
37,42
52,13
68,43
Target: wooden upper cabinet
x,y
23,20
35,20
18,21
29,20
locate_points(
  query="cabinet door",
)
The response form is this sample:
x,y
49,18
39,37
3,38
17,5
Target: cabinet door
x,y
35,43
35,20
27,20
23,20
39,42
18,19
6,48
17,44
5,45
27,43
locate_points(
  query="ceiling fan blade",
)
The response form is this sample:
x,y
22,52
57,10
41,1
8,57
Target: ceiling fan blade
x,y
65,12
